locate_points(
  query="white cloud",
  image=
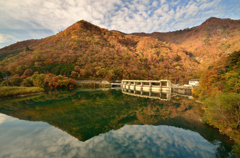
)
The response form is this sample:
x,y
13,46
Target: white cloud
x,y
130,16
2,118
163,1
38,139
5,118
175,3
6,38
155,3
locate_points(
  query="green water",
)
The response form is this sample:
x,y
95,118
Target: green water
x,y
105,123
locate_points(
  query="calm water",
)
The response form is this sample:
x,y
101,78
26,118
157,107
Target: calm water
x,y
105,123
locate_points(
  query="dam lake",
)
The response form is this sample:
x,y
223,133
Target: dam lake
x,y
72,123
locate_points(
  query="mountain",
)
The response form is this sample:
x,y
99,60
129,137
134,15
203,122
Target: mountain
x,y
212,39
18,46
98,53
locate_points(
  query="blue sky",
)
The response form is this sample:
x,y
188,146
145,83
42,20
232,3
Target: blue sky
x,y
34,19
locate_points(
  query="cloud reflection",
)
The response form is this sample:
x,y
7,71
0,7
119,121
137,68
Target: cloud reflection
x,y
36,139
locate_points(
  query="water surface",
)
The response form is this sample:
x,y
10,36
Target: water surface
x,y
97,123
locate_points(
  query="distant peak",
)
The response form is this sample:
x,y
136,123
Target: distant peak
x,y
213,21
83,21
212,18
87,25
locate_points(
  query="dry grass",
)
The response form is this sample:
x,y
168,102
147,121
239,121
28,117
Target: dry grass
x,y
15,91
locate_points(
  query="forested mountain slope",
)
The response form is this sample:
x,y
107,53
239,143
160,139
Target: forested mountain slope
x,y
212,39
98,53
86,51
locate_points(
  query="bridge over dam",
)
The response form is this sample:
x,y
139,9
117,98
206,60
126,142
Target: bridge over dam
x,y
155,89
154,86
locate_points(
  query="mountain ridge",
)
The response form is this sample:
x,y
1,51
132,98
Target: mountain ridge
x,y
99,53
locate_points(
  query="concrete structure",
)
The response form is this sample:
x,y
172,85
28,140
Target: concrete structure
x,y
151,95
151,87
194,82
155,89
147,85
161,96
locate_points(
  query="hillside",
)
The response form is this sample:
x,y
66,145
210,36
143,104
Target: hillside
x,y
98,53
212,39
18,46
101,54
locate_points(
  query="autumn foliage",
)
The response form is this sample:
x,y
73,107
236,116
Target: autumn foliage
x,y
86,51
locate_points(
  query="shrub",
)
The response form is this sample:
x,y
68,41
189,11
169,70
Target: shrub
x,y
39,82
27,82
28,72
5,83
15,80
1,75
223,110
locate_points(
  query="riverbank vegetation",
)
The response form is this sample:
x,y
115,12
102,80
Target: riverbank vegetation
x,y
219,90
40,80
28,83
16,91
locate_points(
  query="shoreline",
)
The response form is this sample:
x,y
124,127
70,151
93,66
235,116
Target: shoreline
x,y
20,95
24,95
9,92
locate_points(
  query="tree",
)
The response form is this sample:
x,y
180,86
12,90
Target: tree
x,y
1,75
19,70
38,80
74,74
28,72
223,110
15,80
27,82
27,49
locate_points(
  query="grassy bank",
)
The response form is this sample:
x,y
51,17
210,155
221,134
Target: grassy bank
x,y
223,112
16,91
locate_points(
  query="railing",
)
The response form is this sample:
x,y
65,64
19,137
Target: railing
x,y
150,85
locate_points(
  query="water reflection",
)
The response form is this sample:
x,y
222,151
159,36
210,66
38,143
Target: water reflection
x,y
106,122
38,139
165,96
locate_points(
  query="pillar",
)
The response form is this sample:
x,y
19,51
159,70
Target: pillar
x,y
150,93
150,86
160,86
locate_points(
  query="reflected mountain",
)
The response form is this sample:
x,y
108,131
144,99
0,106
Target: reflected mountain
x,y
85,114
38,139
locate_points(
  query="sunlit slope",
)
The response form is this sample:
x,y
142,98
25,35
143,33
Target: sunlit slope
x,y
209,41
104,54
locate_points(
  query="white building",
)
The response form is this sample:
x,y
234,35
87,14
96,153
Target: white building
x,y
194,82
